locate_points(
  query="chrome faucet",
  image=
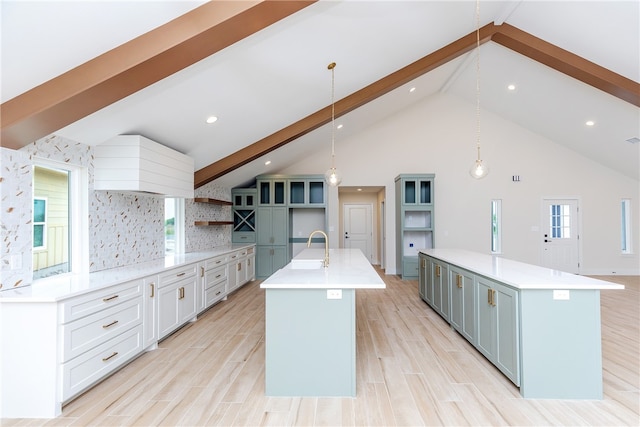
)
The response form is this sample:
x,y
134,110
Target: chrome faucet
x,y
326,246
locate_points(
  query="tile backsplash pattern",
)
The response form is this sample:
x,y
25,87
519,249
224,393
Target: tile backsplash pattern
x,y
15,219
206,237
124,228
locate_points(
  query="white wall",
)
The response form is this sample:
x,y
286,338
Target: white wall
x,y
439,136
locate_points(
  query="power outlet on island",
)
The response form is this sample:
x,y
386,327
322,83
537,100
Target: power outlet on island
x,y
334,293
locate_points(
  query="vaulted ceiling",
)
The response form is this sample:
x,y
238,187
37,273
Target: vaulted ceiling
x,y
260,67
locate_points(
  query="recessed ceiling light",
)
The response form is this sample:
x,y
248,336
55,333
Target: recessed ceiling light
x,y
267,163
511,87
339,127
212,119
413,89
359,189
590,123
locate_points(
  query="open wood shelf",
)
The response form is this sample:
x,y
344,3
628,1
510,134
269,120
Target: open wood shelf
x,y
212,201
205,223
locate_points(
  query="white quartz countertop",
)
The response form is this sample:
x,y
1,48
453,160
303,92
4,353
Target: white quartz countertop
x,y
61,287
348,269
517,274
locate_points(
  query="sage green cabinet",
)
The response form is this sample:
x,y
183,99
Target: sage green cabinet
x,y
463,302
440,279
244,215
306,191
272,190
498,326
414,220
272,236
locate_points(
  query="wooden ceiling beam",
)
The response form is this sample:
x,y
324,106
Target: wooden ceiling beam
x,y
568,63
504,34
343,106
135,65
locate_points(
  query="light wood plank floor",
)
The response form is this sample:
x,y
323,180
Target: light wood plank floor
x,y
412,369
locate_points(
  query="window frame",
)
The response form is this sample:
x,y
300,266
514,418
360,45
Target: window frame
x,y
178,226
40,223
626,243
78,177
496,226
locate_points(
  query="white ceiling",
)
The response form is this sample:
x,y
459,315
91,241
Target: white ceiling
x,y
279,75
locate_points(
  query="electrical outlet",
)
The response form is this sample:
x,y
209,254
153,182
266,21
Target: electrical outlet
x,y
334,293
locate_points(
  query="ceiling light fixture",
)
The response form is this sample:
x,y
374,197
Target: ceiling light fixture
x,y
332,176
212,119
478,169
267,163
590,123
511,87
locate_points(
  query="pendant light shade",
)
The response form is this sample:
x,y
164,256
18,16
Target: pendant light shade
x,y
332,176
479,169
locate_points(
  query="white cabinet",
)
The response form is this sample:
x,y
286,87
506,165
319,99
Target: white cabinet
x,y
177,298
214,280
150,310
100,332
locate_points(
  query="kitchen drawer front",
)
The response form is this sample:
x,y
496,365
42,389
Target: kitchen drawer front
x,y
244,237
92,366
177,274
84,305
214,277
216,262
215,293
91,331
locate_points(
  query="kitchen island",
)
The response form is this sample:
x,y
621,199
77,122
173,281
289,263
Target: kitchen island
x,y
540,327
310,323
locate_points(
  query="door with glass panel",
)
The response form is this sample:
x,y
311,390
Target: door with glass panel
x,y
560,228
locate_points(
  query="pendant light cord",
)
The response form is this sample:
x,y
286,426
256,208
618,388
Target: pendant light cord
x,y
478,77
332,66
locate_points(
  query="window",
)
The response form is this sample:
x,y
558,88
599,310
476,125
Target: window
x,y
560,217
496,226
39,222
173,226
626,226
50,221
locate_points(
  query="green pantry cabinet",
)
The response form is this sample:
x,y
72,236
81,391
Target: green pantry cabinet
x,y
278,214
414,220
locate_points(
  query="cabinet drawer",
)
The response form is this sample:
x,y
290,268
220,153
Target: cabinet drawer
x,y
92,366
177,274
244,237
215,276
216,262
85,305
215,293
91,331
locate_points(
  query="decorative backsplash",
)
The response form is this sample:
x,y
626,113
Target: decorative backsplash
x,y
124,228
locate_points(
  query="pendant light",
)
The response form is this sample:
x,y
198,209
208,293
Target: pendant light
x,y
478,169
332,176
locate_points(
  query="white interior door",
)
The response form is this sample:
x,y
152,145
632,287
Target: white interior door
x,y
560,246
357,228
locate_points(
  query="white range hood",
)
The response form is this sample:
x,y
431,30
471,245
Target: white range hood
x,y
138,164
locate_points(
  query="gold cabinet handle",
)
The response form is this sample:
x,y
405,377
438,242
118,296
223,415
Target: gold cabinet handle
x,y
437,270
108,325
181,274
181,293
489,296
153,290
249,261
493,297
115,353
110,298
239,266
201,271
459,280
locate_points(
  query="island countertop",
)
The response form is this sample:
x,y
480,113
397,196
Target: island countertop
x,y
348,269
517,274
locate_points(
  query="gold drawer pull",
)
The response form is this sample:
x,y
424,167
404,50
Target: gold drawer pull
x,y
437,271
181,274
110,298
201,271
109,324
181,293
115,353
239,267
218,262
459,280
153,290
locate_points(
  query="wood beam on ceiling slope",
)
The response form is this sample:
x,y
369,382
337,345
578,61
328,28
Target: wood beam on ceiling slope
x,y
506,35
343,106
135,65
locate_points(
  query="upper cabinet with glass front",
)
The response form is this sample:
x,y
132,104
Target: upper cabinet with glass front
x,y
272,190
307,191
417,190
